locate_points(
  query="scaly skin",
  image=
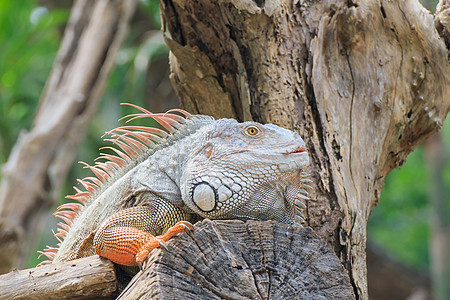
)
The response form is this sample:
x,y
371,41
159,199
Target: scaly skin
x,y
125,240
196,168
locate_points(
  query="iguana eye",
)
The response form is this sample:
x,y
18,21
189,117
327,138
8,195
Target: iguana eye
x,y
252,130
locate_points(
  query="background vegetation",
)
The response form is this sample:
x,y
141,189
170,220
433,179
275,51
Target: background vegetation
x,y
30,33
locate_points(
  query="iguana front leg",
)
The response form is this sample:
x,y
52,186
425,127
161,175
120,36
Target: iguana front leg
x,y
128,236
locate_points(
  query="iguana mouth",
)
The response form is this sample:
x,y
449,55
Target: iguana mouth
x,y
300,149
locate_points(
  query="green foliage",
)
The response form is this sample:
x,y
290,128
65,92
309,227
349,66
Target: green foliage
x,y
400,222
151,8
29,38
429,4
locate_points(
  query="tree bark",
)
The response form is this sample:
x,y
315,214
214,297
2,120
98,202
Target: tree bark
x,y
363,82
40,160
236,260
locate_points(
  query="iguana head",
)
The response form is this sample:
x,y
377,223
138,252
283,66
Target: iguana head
x,y
246,171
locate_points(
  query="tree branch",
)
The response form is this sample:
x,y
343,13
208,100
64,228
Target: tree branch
x,y
41,158
90,277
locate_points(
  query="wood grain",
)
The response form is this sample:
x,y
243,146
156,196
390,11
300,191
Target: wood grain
x,y
242,260
90,277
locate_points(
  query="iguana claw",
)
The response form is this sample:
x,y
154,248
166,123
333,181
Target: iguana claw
x,y
139,265
188,227
153,242
163,245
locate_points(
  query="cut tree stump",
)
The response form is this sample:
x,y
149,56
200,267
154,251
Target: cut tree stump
x,y
218,260
242,260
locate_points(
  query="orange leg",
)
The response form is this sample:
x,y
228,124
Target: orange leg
x,y
154,242
129,246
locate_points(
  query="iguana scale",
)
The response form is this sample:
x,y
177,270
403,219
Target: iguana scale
x,y
161,179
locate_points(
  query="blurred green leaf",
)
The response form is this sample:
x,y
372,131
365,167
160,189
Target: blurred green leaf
x,y
401,221
29,40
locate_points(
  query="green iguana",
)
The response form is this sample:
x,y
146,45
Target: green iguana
x,y
162,179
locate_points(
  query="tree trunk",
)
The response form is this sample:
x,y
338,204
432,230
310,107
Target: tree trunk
x,y
236,260
363,82
40,160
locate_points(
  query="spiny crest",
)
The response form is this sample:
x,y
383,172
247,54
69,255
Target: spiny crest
x,y
302,196
133,142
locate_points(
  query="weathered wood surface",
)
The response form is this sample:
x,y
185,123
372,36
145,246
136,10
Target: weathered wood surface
x,y
363,82
242,260
41,158
87,278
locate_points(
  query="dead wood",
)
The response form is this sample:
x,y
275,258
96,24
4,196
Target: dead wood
x,y
41,158
242,260
218,260
363,82
90,277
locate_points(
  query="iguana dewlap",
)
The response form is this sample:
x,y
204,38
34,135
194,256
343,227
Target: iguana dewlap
x,y
194,167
